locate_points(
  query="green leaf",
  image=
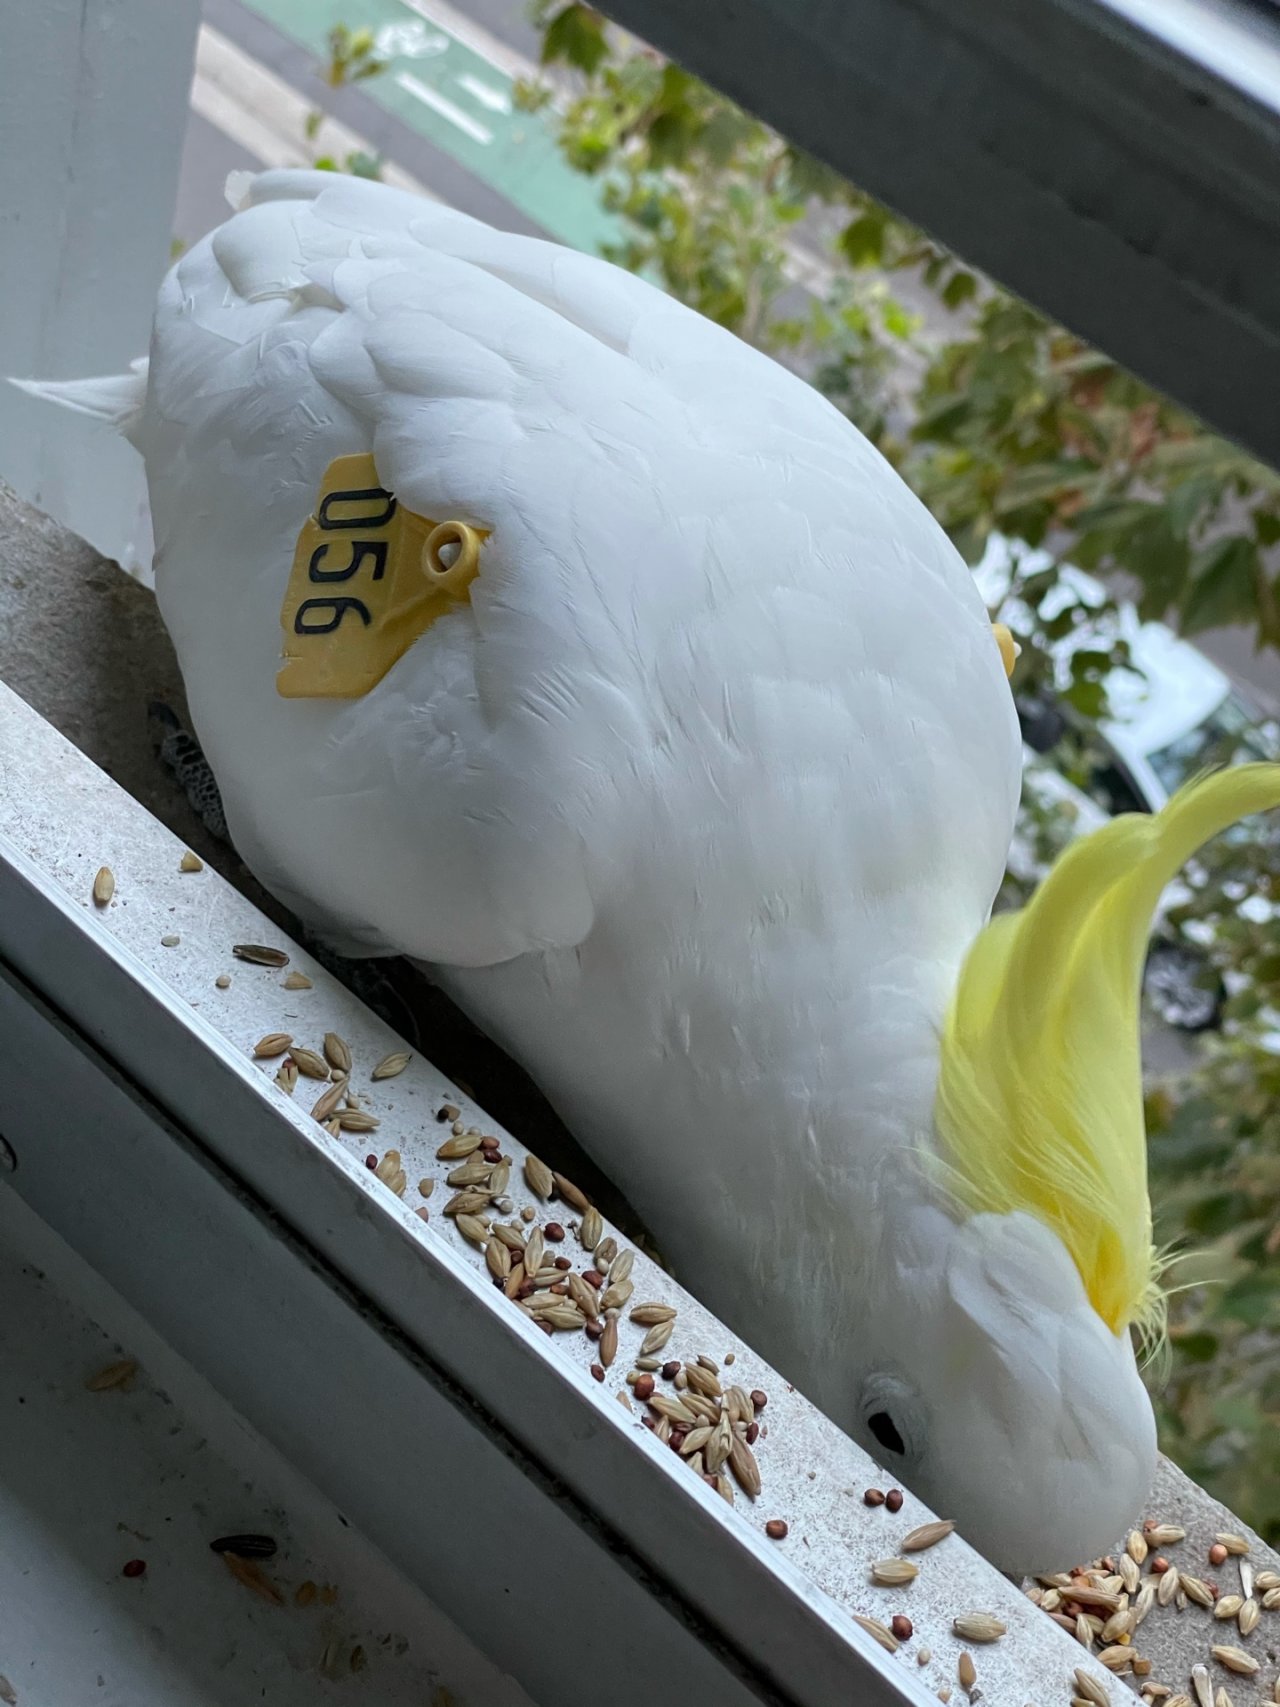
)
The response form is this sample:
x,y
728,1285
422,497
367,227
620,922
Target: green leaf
x,y
862,241
960,288
1197,1348
1266,527
1224,587
576,36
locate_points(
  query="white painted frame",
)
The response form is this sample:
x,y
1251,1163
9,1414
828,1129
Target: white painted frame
x,y
376,1352
93,110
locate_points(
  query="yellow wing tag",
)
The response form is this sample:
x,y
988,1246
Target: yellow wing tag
x,y
369,577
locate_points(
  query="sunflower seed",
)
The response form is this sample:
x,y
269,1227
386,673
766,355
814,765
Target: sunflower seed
x,y
720,1446
656,1338
113,1375
620,1267
569,1191
538,1176
327,1103
534,1251
1235,1544
463,1144
1117,1659
257,955
978,1627
1201,1685
1164,1534
878,1631
471,1228
297,981
467,1202
1088,1688
649,1315
500,1178
497,1259
699,1378
1235,1659
966,1671
894,1573
608,1345
104,885
336,1052
695,1440
1196,1590
563,1316
927,1535
358,1120
246,1546
1119,1624
469,1173
1092,1597
392,1065
744,1467
246,1572
273,1044
673,1409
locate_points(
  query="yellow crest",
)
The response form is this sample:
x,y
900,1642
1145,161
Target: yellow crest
x,y
1039,1103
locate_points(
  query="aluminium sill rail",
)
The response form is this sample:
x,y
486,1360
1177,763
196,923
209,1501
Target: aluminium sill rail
x,y
1115,162
509,1486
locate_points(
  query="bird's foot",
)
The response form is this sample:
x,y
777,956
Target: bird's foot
x,y
180,752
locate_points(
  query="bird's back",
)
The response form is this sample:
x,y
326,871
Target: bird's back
x,y
719,750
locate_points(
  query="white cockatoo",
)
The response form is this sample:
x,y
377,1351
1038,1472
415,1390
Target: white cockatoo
x,y
538,629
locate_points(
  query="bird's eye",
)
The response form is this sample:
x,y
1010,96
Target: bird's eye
x,y
893,1414
885,1430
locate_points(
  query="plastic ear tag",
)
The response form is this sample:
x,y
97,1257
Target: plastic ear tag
x,y
368,579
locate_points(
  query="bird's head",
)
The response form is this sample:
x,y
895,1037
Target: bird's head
x,y
1009,1391
1004,1401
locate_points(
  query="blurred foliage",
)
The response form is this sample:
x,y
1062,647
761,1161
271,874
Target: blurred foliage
x,y
1005,424
354,56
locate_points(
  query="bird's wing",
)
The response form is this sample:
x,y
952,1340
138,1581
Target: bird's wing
x,y
704,595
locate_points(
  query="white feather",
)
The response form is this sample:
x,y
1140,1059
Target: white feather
x,y
699,803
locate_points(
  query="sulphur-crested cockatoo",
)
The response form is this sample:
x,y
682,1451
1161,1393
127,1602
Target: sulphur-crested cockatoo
x,y
685,755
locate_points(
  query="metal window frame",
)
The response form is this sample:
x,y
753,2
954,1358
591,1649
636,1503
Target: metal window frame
x,y
1115,162
506,1484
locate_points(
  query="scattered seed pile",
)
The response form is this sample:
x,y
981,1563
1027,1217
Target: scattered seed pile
x,y
244,1556
713,1424
1104,1606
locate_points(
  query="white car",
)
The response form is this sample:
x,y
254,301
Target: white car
x,y
1170,716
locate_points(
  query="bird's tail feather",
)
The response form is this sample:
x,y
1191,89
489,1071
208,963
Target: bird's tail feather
x,y
116,399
